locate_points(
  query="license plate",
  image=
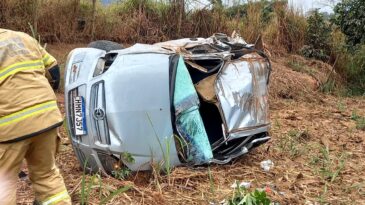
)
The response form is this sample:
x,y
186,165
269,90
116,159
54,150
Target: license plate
x,y
79,116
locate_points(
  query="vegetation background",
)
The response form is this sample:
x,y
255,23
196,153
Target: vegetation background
x,y
317,140
336,39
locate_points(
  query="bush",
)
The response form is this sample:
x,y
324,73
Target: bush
x,y
318,37
356,72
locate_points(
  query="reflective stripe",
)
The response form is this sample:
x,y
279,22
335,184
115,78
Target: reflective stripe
x,y
25,65
28,112
56,198
47,60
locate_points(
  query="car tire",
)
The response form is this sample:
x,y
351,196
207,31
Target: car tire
x,y
105,45
88,164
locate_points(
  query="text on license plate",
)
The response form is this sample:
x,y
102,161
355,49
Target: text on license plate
x,y
79,115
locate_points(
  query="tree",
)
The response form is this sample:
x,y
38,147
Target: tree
x,y
350,17
317,37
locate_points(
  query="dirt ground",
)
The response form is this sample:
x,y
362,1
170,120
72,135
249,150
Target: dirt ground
x,y
317,151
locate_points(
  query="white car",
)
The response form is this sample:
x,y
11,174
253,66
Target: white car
x,y
184,102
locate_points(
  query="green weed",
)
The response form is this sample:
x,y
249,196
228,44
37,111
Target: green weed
x,y
341,106
165,164
242,197
322,198
330,166
360,121
211,181
294,142
166,157
127,157
113,194
358,186
277,123
354,115
121,173
328,86
301,67
296,66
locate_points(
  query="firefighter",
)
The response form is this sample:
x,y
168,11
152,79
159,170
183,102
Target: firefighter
x,y
29,119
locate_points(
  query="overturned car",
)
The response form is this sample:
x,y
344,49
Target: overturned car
x,y
187,101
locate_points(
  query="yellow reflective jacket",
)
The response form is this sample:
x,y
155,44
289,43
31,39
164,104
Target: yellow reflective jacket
x,y
27,102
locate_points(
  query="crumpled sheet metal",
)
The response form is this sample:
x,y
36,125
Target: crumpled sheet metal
x,y
185,45
242,92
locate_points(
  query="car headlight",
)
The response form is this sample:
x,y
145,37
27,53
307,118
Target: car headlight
x,y
73,65
99,69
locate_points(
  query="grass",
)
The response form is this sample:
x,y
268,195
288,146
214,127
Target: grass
x,y
294,142
359,187
211,181
322,199
89,184
341,106
328,86
354,115
299,66
360,121
166,156
114,193
329,167
127,157
325,164
165,164
277,124
123,172
296,65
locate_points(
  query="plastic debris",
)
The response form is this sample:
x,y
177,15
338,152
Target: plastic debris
x,y
245,185
268,189
267,165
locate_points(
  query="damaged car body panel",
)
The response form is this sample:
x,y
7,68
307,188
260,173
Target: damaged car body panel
x,y
242,91
187,101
